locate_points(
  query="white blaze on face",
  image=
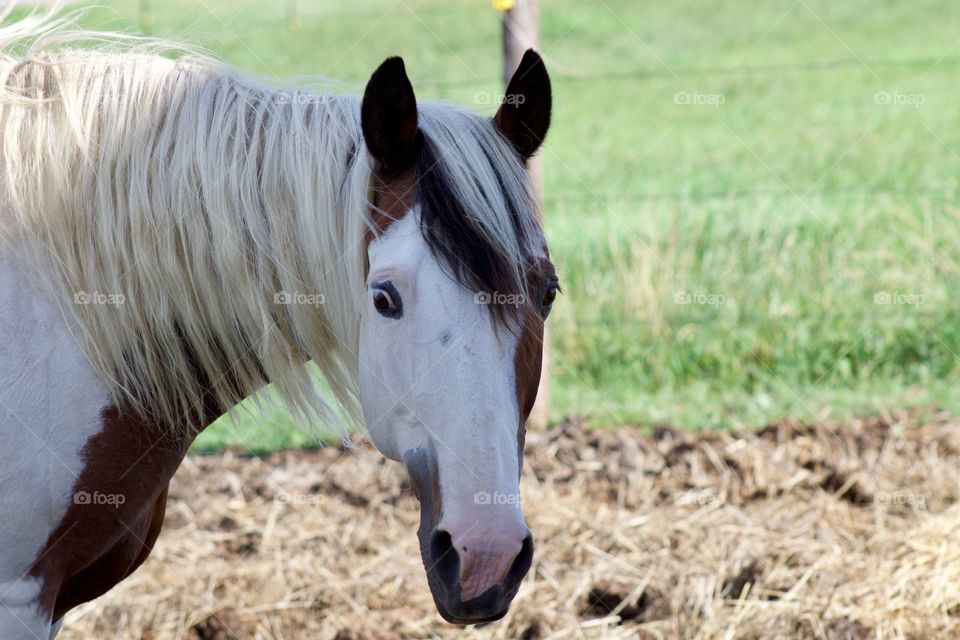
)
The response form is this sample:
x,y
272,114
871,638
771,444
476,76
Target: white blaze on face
x,y
441,377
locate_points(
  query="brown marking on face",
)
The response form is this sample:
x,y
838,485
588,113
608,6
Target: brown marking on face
x,y
527,363
393,197
96,544
528,359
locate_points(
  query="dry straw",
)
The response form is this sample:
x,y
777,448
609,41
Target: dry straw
x,y
836,531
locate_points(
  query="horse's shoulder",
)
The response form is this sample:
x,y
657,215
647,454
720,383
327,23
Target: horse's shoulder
x,y
116,513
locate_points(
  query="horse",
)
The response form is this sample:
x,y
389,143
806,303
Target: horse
x,y
175,235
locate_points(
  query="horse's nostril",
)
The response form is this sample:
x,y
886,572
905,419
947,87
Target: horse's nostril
x,y
521,564
444,557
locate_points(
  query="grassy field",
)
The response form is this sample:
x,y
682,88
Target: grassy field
x,y
752,205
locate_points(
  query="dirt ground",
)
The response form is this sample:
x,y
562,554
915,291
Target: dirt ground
x,y
832,531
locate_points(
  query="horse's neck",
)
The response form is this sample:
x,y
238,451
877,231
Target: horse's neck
x,y
204,242
83,483
45,376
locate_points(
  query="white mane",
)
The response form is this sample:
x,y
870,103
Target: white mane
x,y
201,198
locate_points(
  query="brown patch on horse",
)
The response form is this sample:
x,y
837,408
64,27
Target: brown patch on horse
x,y
528,359
128,464
527,362
116,511
393,197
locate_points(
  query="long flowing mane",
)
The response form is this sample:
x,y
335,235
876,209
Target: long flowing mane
x,y
206,231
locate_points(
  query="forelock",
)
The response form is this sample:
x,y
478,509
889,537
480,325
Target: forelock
x,y
478,213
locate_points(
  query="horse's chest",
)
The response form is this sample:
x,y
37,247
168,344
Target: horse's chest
x,y
116,512
82,487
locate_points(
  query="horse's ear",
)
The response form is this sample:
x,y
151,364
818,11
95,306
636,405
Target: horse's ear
x,y
524,116
388,116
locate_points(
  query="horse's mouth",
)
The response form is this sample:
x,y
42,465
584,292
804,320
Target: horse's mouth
x,y
468,621
488,607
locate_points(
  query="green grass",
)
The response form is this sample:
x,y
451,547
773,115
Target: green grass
x,y
786,208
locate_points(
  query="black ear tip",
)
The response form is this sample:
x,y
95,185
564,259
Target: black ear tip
x,y
391,67
531,61
388,115
531,57
393,62
532,69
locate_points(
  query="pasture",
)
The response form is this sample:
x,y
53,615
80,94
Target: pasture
x,y
752,209
732,192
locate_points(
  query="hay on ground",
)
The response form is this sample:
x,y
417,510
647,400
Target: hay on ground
x,y
833,531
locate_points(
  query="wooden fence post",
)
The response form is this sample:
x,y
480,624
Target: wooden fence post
x,y
521,32
147,20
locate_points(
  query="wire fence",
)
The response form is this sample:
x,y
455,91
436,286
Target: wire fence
x,y
295,19
944,192
906,315
741,70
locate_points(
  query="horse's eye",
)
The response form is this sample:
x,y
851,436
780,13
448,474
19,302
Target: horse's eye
x,y
386,300
382,301
549,296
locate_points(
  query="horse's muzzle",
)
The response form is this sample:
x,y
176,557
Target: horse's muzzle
x,y
474,571
444,565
